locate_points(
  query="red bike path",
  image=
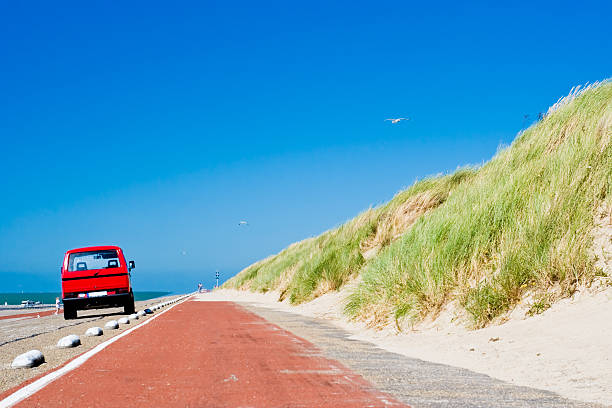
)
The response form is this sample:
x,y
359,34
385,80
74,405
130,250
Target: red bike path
x,y
210,354
31,314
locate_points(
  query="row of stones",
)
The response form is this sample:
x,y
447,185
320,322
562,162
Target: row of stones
x,y
34,358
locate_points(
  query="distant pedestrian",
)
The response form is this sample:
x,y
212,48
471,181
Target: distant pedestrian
x,y
199,288
57,305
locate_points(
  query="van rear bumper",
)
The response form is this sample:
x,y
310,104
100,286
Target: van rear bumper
x,y
101,302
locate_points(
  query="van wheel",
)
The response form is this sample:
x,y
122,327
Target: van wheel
x,y
70,312
129,306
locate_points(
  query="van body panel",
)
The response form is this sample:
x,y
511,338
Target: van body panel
x,y
106,284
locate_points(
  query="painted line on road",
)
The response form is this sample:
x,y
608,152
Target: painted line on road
x,y
37,385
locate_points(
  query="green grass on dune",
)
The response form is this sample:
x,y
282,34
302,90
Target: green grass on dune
x,y
317,265
520,222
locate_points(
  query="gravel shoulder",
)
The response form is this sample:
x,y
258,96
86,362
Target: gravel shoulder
x,y
19,336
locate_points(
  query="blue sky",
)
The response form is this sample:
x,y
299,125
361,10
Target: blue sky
x,y
159,126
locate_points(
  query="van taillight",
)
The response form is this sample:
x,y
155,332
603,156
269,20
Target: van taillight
x,y
123,290
110,292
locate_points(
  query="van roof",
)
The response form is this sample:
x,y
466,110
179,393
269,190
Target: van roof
x,y
93,248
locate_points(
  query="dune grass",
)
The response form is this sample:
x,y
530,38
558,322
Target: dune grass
x,y
522,223
317,265
484,236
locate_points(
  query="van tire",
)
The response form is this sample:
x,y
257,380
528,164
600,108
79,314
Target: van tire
x,y
70,312
129,307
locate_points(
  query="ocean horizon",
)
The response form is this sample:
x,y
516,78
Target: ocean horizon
x,y
49,297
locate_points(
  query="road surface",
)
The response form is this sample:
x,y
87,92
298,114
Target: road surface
x,y
210,354
224,354
30,315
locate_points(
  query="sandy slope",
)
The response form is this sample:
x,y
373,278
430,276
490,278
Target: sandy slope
x,y
567,349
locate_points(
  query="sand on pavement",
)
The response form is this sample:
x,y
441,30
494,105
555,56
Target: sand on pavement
x,y
567,349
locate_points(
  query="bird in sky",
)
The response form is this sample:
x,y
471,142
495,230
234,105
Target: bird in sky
x,y
396,120
243,223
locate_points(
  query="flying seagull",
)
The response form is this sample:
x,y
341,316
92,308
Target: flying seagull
x,y
243,223
397,120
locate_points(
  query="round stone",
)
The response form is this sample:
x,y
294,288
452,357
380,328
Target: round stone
x,y
72,340
94,331
112,324
32,358
123,320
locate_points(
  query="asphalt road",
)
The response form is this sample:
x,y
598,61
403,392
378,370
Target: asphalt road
x,y
24,315
20,334
210,354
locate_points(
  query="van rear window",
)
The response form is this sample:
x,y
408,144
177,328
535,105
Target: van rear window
x,y
83,261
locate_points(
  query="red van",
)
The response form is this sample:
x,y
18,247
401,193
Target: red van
x,y
94,278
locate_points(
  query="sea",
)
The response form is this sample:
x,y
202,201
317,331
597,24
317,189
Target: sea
x,y
49,297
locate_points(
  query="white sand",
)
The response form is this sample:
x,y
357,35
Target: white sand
x,y
567,349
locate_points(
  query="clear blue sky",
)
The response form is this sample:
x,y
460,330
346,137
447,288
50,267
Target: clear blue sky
x,y
158,126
